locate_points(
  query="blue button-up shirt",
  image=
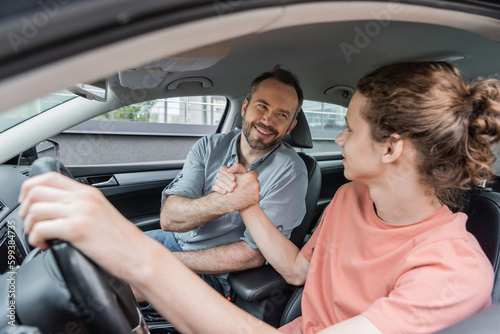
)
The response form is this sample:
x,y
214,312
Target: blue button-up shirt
x,y
283,186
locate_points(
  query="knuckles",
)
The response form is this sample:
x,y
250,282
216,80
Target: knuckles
x,y
81,229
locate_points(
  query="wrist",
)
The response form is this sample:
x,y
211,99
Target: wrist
x,y
142,266
222,204
251,210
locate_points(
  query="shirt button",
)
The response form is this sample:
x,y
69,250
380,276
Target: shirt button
x,y
192,233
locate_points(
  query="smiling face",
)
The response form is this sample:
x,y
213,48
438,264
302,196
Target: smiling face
x,y
362,155
269,116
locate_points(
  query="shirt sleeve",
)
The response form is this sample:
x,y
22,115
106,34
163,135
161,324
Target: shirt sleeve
x,y
444,283
284,205
191,179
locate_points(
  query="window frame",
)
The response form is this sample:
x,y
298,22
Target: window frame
x,y
323,134
139,128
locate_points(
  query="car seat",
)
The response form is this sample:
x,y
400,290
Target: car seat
x,y
483,210
262,291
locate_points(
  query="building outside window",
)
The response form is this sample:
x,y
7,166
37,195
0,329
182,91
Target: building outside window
x,y
200,110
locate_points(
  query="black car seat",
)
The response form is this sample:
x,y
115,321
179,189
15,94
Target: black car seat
x,y
300,137
484,222
483,210
262,291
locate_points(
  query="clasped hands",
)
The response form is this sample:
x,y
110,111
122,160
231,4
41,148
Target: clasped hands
x,y
241,186
55,207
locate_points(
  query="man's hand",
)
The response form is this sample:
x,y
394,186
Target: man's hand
x,y
241,187
246,193
226,180
182,214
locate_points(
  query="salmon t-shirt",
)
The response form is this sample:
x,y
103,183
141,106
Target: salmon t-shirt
x,y
415,278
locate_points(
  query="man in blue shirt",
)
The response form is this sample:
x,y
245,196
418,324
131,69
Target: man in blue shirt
x,y
203,227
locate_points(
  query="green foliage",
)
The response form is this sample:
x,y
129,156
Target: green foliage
x,y
139,112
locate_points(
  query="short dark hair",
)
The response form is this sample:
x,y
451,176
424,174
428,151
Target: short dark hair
x,y
283,76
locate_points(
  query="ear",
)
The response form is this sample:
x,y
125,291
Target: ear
x,y
393,149
292,125
244,107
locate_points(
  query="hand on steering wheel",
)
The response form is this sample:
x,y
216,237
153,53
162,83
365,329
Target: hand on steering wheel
x,y
87,282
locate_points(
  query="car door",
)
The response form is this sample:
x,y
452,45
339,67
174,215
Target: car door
x,y
134,190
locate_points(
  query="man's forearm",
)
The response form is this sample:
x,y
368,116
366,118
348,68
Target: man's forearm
x,y
181,214
222,259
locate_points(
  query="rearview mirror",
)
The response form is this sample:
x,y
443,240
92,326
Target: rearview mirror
x,y
95,91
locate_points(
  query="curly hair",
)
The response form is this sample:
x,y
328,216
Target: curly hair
x,y
451,123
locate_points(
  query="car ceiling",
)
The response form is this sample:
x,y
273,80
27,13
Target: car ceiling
x,y
314,53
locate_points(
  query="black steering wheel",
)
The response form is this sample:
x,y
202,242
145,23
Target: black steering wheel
x,y
76,294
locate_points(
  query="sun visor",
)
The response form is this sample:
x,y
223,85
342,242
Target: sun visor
x,y
152,74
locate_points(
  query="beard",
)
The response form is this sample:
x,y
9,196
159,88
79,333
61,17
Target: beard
x,y
259,144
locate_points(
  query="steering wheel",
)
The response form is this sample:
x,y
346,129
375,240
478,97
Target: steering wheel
x,y
100,302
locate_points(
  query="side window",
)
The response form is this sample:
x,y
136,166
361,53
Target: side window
x,y
326,121
199,110
157,130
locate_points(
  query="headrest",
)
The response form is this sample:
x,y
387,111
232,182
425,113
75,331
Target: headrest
x,y
300,136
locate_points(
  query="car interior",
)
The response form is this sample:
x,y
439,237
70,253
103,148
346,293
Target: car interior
x,y
201,48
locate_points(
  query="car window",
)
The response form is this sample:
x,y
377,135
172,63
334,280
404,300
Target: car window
x,y
199,110
20,114
157,130
326,121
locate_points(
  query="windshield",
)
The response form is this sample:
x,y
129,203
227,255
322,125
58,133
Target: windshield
x,y
18,115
